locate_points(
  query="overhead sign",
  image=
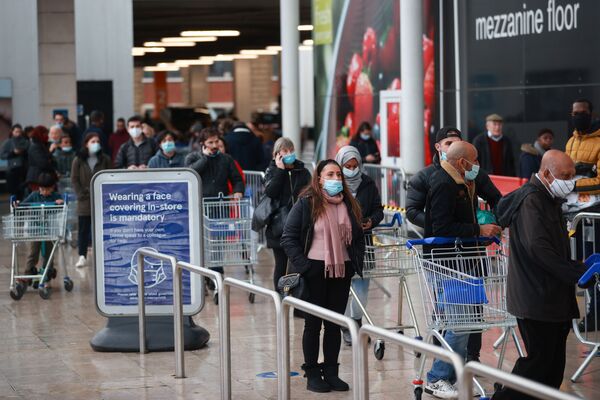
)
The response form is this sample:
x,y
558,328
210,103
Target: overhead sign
x,y
157,210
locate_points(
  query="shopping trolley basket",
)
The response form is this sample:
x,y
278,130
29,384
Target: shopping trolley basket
x,y
43,222
386,256
228,239
463,288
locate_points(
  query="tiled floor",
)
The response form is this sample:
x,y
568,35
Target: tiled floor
x,y
45,351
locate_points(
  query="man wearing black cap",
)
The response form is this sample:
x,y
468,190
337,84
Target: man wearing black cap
x,y
495,150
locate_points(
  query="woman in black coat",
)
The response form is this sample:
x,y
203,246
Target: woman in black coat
x,y
365,191
365,143
38,156
324,241
284,180
14,152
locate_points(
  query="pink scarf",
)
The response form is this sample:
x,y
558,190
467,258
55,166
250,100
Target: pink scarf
x,y
337,230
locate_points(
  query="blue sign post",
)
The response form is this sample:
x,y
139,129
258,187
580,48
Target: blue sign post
x,y
151,209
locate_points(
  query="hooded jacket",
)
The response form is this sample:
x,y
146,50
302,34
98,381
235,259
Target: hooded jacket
x,y
529,161
584,150
542,276
419,185
215,173
485,158
246,148
160,160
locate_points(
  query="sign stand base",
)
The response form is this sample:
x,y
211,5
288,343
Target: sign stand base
x,y
121,334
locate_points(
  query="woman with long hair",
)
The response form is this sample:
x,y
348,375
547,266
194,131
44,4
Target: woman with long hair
x,y
90,160
324,242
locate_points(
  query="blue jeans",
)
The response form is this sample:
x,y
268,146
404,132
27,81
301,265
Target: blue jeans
x,y
361,288
441,369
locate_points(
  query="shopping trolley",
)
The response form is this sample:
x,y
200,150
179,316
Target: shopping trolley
x,y
386,256
228,239
35,222
66,188
463,289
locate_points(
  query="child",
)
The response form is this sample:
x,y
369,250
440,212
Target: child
x,y
64,156
44,194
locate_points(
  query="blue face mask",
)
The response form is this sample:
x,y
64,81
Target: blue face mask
x,y
289,158
365,136
94,147
350,173
443,156
168,147
333,187
472,174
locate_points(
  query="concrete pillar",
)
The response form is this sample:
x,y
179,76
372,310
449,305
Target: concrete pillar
x,y
411,71
138,90
161,98
253,86
56,49
290,99
197,85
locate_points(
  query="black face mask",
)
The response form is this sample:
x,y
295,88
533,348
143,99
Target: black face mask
x,y
581,121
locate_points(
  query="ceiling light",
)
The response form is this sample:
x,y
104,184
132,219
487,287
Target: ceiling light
x,y
165,69
137,51
189,39
169,44
238,56
154,49
221,33
274,48
259,52
305,27
185,63
308,42
223,57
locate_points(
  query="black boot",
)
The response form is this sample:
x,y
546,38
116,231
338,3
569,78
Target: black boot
x,y
331,378
314,379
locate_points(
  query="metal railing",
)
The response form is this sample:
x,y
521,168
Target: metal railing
x,y
473,369
404,341
328,315
391,182
283,370
255,189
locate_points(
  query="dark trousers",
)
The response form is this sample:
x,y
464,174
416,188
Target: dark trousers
x,y
474,345
280,265
330,293
84,234
15,179
545,343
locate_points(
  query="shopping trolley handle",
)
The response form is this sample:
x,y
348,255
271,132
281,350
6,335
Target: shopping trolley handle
x,y
591,260
449,240
397,218
591,276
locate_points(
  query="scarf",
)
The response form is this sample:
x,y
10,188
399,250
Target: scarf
x,y
337,229
344,155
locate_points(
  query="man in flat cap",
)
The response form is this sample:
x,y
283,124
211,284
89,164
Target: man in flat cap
x,y
494,149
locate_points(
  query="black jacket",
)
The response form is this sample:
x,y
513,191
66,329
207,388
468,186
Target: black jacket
x,y
130,154
215,172
541,276
366,147
529,161
451,205
38,160
13,159
418,187
369,199
298,233
485,159
246,148
283,185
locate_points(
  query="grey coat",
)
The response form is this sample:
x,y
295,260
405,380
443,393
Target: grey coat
x,y
8,152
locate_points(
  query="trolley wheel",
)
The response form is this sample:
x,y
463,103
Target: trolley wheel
x,y
216,298
251,298
18,291
379,349
68,283
497,386
418,392
418,354
45,293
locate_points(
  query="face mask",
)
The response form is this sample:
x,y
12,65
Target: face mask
x,y
560,188
443,156
135,132
94,147
52,141
472,174
67,149
168,146
154,272
581,122
365,136
350,173
60,124
289,159
333,187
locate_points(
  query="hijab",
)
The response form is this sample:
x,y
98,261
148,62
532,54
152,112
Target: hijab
x,y
344,155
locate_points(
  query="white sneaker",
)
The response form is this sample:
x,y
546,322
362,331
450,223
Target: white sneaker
x,y
442,390
81,262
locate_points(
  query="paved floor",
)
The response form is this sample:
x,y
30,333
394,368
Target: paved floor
x,y
45,351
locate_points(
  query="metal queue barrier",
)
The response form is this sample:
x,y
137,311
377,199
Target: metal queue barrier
x,y
473,369
255,189
328,315
464,373
391,182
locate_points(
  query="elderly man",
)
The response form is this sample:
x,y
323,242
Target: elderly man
x,y
541,277
54,136
451,212
495,150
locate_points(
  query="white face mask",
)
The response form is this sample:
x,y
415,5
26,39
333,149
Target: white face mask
x,y
560,188
135,132
350,173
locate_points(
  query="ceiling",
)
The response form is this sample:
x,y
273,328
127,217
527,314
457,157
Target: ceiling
x,y
257,21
